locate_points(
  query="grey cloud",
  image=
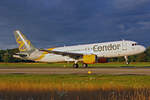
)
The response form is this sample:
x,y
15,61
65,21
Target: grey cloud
x,y
130,4
66,22
144,25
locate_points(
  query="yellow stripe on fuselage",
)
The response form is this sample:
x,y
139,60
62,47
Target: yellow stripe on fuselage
x,y
43,55
51,49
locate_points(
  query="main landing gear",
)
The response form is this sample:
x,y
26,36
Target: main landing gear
x,y
85,65
76,65
126,59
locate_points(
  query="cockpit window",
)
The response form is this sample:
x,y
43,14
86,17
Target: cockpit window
x,y
134,44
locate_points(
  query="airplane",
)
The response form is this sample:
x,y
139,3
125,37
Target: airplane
x,y
87,53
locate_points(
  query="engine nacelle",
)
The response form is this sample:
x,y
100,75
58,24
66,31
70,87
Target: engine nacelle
x,y
89,59
102,60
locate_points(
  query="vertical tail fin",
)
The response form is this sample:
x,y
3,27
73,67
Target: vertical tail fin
x,y
24,44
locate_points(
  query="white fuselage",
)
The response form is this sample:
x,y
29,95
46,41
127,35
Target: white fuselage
x,y
107,49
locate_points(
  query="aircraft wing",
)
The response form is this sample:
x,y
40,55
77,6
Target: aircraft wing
x,y
72,55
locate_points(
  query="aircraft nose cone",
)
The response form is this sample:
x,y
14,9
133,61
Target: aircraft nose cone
x,y
142,48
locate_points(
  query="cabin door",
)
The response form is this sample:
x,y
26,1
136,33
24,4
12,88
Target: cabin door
x,y
124,45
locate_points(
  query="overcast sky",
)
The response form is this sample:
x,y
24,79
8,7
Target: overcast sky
x,y
50,23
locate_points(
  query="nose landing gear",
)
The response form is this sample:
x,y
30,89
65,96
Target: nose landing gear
x,y
126,59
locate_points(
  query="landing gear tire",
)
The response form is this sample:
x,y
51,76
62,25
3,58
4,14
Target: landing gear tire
x,y
75,65
85,65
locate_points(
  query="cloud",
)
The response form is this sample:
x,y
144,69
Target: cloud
x,y
144,25
66,22
130,4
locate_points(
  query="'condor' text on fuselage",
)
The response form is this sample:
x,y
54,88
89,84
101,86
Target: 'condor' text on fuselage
x,y
109,47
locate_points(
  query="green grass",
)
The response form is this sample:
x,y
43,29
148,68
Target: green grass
x,y
119,64
34,65
101,65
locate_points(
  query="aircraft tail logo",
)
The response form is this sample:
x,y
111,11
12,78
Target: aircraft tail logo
x,y
23,43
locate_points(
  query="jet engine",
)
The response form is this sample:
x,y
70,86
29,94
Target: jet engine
x,y
89,59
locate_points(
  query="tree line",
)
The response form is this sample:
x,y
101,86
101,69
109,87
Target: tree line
x,y
7,57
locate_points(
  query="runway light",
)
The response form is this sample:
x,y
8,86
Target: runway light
x,y
89,72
